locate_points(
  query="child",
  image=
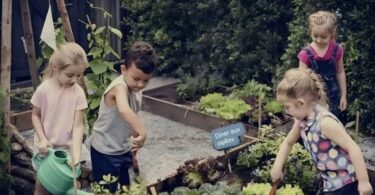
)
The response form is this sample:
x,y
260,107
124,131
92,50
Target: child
x,y
336,155
325,57
110,146
59,103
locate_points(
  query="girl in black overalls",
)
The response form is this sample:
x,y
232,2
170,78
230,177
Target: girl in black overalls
x,y
325,57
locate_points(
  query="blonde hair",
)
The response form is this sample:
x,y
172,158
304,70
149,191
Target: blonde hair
x,y
302,83
66,54
323,18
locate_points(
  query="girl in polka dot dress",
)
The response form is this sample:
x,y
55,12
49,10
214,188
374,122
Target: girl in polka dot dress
x,y
336,155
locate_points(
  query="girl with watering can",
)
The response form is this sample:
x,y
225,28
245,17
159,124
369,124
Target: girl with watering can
x,y
58,107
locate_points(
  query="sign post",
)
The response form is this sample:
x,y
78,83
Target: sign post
x,y
227,137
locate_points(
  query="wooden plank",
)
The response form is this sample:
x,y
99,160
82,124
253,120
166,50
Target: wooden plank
x,y
181,113
29,39
22,120
6,53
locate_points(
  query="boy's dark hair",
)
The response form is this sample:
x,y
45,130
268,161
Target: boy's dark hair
x,y
143,56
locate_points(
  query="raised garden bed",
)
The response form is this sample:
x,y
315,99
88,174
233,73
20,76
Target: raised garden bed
x,y
238,175
21,108
164,101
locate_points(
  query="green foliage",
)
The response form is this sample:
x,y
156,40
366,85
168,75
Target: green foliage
x,y
190,89
102,69
356,32
139,187
265,188
299,169
228,109
273,107
219,189
239,40
253,89
4,147
193,179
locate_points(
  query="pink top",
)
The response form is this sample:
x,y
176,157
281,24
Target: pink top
x,y
58,108
302,55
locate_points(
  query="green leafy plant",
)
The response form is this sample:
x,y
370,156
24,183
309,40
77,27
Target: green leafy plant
x,y
259,158
253,89
138,187
102,70
4,147
228,109
274,107
265,188
219,189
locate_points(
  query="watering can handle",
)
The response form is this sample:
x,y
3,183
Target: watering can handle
x,y
274,186
38,158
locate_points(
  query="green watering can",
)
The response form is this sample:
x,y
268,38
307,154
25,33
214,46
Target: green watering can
x,y
54,173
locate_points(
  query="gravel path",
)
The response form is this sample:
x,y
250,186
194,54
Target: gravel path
x,y
169,144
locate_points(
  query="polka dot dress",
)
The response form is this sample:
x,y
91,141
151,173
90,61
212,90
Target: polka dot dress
x,y
331,160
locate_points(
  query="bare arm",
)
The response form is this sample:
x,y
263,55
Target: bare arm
x,y
77,136
38,127
335,132
341,78
302,65
126,112
37,123
284,151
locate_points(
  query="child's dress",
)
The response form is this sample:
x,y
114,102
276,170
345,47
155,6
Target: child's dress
x,y
332,161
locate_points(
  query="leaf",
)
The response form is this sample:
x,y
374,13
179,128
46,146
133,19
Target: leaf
x,y
95,52
98,67
116,32
99,30
94,103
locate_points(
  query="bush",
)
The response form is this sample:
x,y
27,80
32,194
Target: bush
x,y
237,40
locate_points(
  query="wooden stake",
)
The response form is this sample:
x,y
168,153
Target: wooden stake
x,y
74,170
6,53
228,160
260,113
65,19
29,39
357,127
69,33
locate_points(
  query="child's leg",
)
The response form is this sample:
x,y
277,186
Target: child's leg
x,y
124,169
39,189
103,164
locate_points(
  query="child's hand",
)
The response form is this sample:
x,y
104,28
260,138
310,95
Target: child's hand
x,y
276,174
71,164
43,146
138,142
364,188
343,104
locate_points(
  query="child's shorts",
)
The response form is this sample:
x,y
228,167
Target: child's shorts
x,y
350,189
116,165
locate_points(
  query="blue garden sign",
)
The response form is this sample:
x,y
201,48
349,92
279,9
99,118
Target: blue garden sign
x,y
228,136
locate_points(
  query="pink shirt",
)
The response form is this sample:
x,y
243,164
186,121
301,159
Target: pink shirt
x,y
302,55
57,108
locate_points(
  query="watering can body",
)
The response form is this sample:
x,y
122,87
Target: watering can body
x,y
54,173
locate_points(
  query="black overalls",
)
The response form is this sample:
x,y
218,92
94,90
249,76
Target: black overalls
x,y
327,70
